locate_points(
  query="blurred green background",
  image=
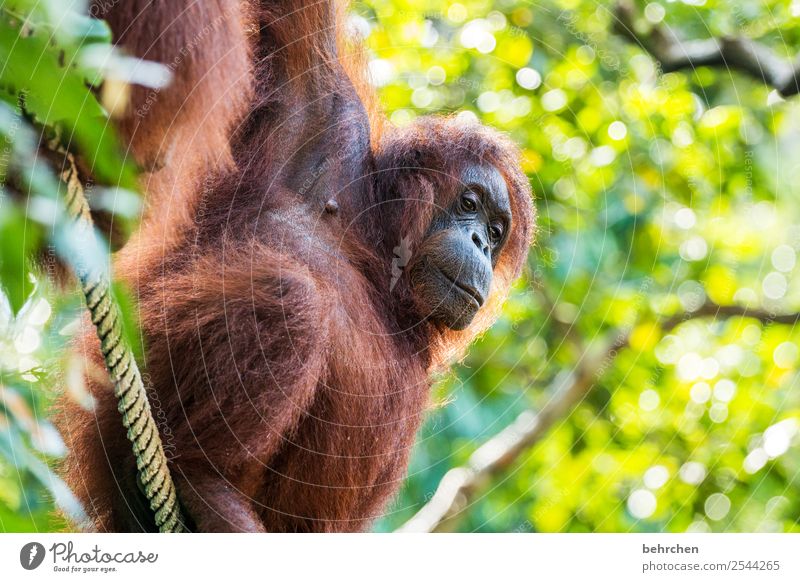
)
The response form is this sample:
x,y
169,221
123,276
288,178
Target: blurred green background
x,y
658,195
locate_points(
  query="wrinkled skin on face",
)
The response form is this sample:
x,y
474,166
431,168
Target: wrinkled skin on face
x,y
452,273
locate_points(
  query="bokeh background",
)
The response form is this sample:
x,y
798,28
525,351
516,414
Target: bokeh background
x,y
643,376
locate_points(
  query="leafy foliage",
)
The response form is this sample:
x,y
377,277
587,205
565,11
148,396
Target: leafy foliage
x,y
49,79
655,192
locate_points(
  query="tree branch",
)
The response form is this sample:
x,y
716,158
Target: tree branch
x,y
730,52
460,485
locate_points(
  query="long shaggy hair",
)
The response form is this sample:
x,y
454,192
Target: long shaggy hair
x,y
287,369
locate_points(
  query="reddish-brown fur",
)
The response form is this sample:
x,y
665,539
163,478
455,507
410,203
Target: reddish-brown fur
x,y
288,380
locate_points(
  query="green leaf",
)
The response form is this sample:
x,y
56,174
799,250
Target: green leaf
x,y
53,90
19,239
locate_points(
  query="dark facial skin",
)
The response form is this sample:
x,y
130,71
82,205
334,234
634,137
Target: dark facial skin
x,y
452,271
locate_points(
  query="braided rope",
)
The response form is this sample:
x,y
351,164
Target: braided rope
x,y
137,417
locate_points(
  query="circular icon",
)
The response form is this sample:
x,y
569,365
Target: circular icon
x,y
31,555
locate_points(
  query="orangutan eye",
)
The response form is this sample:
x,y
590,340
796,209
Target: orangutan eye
x,y
468,202
496,232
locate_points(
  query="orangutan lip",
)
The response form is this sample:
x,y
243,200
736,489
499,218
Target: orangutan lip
x,y
471,292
